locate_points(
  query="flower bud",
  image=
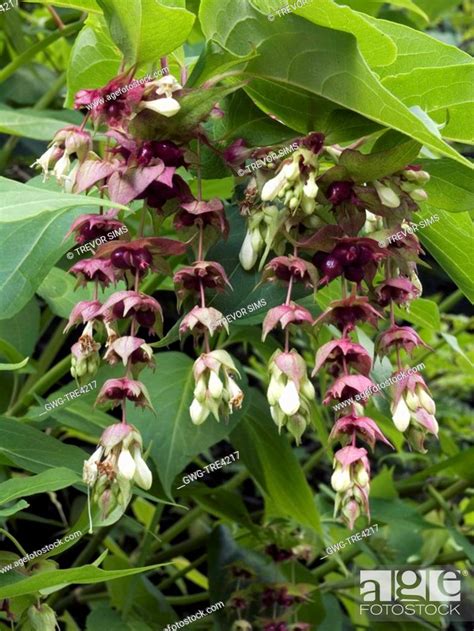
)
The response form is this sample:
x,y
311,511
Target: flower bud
x,y
142,476
296,425
387,196
126,464
166,106
248,254
341,479
289,400
361,475
310,189
275,390
425,400
61,168
412,400
401,415
419,195
241,625
272,187
42,618
290,170
215,385
198,412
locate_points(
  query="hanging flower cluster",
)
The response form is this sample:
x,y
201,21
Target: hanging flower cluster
x,y
325,224
116,329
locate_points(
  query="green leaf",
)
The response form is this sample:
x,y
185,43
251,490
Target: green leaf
x,y
50,480
453,342
60,292
32,232
146,30
415,50
25,201
365,167
83,5
30,123
446,88
446,240
85,575
94,60
373,45
11,510
21,332
451,185
344,79
16,366
176,441
28,448
270,459
422,312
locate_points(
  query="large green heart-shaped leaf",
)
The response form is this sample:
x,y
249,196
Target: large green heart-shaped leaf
x,y
451,185
176,441
145,30
234,25
324,63
32,123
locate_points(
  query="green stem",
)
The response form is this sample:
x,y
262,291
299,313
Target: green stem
x,y
172,579
47,357
5,533
43,384
30,53
188,600
448,303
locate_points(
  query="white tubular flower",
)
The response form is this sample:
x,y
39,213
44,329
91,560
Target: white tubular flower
x,y
341,479
215,392
401,414
412,400
289,400
215,385
419,195
236,394
310,189
166,106
198,412
70,179
62,167
271,188
90,469
143,476
388,197
425,400
248,254
126,464
167,85
47,159
290,171
419,177
290,392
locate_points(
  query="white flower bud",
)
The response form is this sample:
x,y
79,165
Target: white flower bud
x,y
401,415
257,240
198,412
271,188
215,385
308,204
341,479
167,85
247,255
361,476
166,106
310,189
425,400
61,168
277,415
386,195
291,170
275,390
289,400
200,390
143,476
307,389
419,195
412,401
126,464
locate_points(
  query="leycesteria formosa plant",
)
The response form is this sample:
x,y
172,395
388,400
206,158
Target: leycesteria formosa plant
x,y
145,174
326,226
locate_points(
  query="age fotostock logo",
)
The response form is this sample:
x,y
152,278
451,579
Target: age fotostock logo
x,y
395,594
